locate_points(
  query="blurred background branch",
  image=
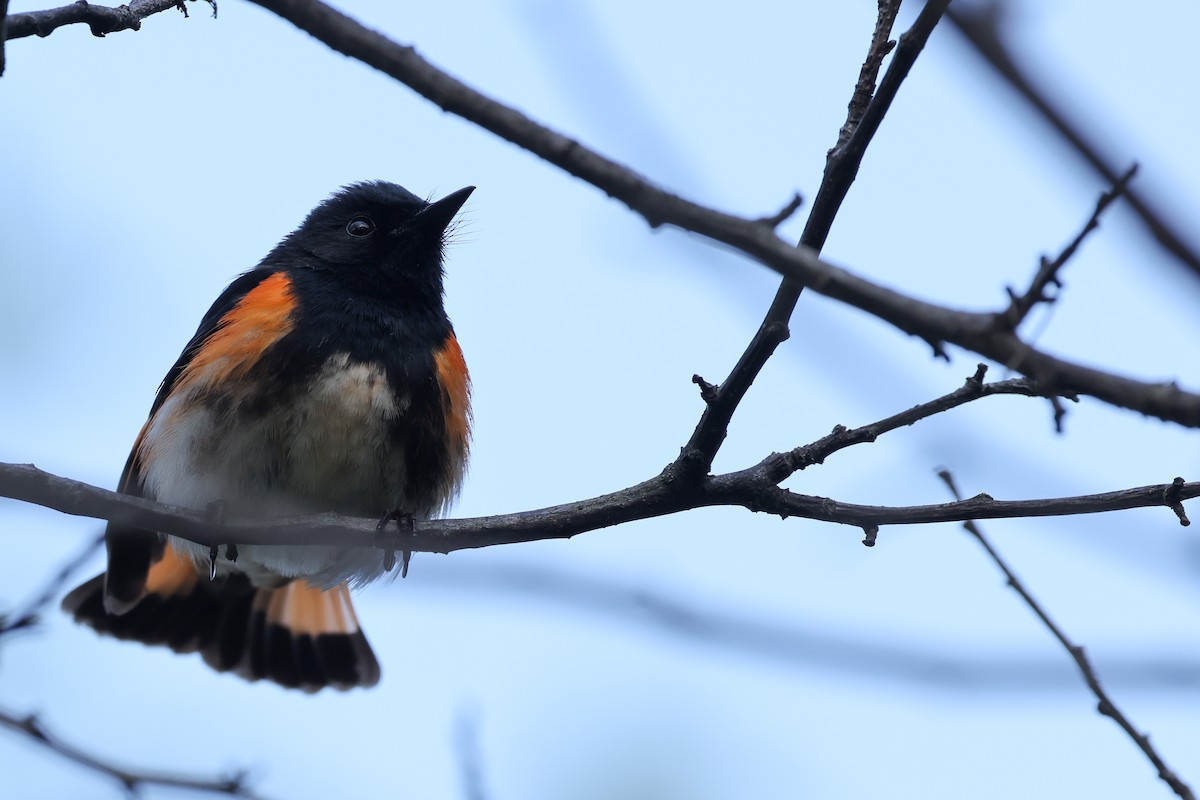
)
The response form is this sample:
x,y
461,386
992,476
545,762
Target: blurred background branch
x,y
983,25
803,644
28,615
130,779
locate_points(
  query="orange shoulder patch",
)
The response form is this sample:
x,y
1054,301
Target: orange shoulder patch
x,y
259,320
456,392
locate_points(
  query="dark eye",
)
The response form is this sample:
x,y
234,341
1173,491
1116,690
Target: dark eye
x,y
360,226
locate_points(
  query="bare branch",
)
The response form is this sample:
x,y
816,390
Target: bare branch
x,y
1047,272
864,90
132,780
1106,705
841,438
784,214
752,489
732,489
983,333
843,161
101,19
983,30
841,168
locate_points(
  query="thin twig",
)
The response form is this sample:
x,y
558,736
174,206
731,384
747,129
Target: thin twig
x,y
864,90
131,779
841,438
983,30
1106,706
784,214
1047,273
101,19
28,617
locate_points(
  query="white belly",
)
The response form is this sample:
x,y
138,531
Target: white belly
x,y
330,449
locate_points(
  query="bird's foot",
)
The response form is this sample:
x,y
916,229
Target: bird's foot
x,y
406,523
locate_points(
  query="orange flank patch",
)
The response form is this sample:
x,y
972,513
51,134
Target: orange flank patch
x,y
456,389
171,575
259,320
304,609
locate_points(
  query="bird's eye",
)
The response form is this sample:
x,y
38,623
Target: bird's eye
x,y
360,226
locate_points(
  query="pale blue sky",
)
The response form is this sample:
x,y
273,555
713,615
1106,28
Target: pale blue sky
x,y
145,170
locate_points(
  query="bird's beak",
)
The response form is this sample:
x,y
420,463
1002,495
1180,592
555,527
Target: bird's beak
x,y
435,217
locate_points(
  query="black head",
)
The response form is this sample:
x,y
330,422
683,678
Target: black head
x,y
374,234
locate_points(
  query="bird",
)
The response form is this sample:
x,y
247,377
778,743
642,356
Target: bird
x,y
328,378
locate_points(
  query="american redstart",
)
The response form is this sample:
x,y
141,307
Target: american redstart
x,y
326,379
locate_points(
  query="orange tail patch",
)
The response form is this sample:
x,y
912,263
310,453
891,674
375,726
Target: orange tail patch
x,y
304,637
295,635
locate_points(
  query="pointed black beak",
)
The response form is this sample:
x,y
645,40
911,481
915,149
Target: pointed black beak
x,y
435,217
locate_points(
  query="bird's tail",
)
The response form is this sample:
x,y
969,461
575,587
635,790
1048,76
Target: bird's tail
x,y
296,635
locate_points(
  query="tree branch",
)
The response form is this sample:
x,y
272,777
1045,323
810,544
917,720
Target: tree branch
x,y
864,90
1047,273
132,780
785,464
733,488
101,19
1106,706
983,333
866,111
